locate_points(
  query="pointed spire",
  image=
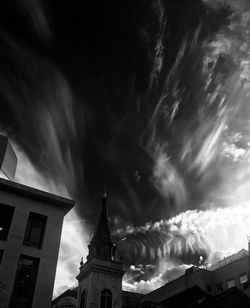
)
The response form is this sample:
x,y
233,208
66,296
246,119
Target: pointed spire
x,y
102,232
101,245
105,195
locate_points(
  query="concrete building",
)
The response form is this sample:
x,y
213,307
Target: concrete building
x,y
30,230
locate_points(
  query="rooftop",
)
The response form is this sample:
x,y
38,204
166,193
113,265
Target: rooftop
x,y
227,260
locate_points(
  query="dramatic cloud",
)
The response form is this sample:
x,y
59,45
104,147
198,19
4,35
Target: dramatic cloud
x,y
124,95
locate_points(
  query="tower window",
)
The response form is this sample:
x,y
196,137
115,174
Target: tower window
x,y
25,282
83,299
106,299
35,230
6,214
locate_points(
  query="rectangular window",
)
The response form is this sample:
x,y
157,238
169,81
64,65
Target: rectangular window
x,y
230,283
24,286
6,215
219,288
244,281
209,288
1,255
35,230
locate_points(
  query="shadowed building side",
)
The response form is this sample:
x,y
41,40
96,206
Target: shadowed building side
x,y
30,223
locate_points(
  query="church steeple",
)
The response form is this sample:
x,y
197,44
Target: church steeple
x,y
100,277
101,245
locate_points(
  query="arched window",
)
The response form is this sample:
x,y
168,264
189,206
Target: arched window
x,y
83,299
106,299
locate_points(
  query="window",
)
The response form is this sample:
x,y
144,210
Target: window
x,y
209,288
83,299
6,214
106,299
35,230
244,281
25,282
219,288
230,283
1,255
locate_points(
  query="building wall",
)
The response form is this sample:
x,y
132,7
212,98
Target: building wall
x,y
130,299
201,278
13,247
233,270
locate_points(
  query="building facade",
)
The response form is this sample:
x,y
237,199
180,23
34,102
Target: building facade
x,y
30,231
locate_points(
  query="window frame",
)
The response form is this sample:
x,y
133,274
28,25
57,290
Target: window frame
x,y
83,304
29,227
10,209
107,297
231,280
16,298
244,284
219,288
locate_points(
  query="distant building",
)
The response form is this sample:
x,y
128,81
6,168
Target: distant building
x,y
221,276
224,284
30,231
70,296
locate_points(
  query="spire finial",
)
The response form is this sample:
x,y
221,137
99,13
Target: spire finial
x,y
105,194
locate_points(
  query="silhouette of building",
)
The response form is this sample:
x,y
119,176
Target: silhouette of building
x,y
30,230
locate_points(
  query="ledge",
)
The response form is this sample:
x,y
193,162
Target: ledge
x,y
30,192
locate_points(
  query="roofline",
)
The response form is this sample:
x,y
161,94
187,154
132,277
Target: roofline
x,y
27,191
198,269
56,299
219,268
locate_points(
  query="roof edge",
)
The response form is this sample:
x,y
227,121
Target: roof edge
x,y
37,194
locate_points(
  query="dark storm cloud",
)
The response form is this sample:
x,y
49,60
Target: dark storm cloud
x,y
82,92
172,242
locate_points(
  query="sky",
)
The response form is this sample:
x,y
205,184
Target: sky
x,y
146,99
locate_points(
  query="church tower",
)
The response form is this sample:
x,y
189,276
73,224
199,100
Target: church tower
x,y
100,277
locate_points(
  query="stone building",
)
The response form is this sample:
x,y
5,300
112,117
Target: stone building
x,y
100,277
